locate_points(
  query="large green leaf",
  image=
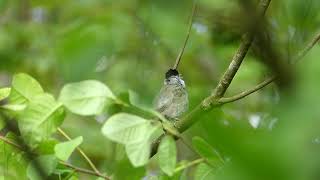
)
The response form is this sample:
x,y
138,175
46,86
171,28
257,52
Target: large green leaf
x,y
86,97
24,88
47,163
139,151
126,128
65,149
204,172
167,153
41,118
206,151
136,133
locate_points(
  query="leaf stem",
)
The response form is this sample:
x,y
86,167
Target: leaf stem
x,y
192,163
82,170
80,151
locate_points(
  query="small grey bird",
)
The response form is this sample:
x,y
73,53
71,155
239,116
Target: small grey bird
x,y
172,101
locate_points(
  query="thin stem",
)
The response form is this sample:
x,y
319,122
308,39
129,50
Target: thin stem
x,y
80,151
6,140
226,100
187,37
82,170
311,44
192,163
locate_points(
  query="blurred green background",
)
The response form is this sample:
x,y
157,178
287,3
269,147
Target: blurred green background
x,y
129,45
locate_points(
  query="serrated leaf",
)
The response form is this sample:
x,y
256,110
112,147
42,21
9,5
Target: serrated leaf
x,y
65,149
167,155
4,93
48,164
206,150
24,88
125,128
41,118
86,97
139,151
204,172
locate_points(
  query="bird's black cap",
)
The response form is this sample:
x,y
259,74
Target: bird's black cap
x,y
171,72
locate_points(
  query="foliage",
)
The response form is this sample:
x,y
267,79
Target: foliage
x,y
102,62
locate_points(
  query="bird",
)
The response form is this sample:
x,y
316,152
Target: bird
x,y
172,100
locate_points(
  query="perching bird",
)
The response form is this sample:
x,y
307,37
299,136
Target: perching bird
x,y
172,101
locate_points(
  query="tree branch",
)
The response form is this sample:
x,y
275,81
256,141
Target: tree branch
x,y
80,151
189,119
226,100
227,77
237,59
308,47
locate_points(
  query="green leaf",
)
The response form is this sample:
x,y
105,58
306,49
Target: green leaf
x,y
4,93
48,164
204,172
86,97
129,97
65,149
139,151
46,147
13,162
126,128
206,150
167,153
24,88
41,118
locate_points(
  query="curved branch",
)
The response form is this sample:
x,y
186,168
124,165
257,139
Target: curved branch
x,y
313,42
226,100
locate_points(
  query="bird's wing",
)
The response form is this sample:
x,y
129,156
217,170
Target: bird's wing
x,y
163,100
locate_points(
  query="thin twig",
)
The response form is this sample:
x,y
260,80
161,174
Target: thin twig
x,y
226,100
187,37
192,163
6,140
313,42
80,151
82,170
